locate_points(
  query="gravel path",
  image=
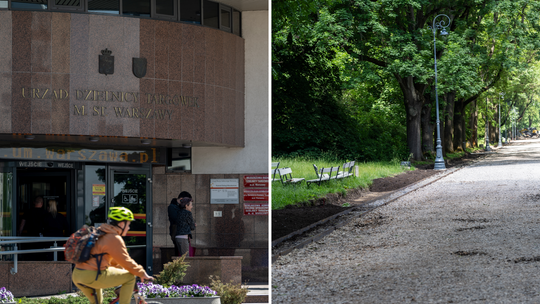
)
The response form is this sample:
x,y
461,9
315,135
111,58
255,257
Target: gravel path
x,y
472,236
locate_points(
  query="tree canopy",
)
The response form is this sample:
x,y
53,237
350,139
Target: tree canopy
x,y
357,77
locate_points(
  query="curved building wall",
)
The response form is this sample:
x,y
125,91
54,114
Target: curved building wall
x,y
193,88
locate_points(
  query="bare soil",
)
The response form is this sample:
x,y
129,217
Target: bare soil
x,y
296,217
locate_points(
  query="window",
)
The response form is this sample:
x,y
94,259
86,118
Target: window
x,y
211,14
190,11
225,18
236,22
67,5
204,12
104,6
165,7
29,4
179,159
139,8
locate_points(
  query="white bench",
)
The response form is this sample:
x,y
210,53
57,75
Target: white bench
x,y
285,175
325,174
274,171
347,170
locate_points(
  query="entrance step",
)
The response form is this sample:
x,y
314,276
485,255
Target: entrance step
x,y
257,293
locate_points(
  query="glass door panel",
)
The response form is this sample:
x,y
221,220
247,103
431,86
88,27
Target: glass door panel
x,y
6,206
7,213
130,189
95,208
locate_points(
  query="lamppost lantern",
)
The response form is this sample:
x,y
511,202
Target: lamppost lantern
x,y
440,25
500,135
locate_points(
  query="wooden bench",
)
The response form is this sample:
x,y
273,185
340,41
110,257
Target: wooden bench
x,y
325,174
285,175
347,170
275,166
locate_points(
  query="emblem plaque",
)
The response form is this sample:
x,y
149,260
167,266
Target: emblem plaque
x,y
139,67
106,62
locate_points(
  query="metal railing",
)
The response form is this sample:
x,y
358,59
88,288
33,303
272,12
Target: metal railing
x,y
14,240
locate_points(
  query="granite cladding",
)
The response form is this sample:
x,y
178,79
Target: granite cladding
x,y
51,82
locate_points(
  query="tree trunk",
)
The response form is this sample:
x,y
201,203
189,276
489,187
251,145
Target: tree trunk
x,y
448,144
427,129
493,139
459,125
474,124
414,100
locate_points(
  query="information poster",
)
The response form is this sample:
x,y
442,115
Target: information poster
x,y
95,201
255,208
98,189
224,191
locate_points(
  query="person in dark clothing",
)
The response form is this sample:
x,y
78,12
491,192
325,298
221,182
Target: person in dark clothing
x,y
33,222
34,219
173,211
55,225
184,224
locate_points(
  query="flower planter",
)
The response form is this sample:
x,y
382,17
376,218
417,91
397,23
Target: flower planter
x,y
195,300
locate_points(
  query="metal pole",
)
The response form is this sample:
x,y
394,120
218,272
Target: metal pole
x,y
487,128
500,135
439,161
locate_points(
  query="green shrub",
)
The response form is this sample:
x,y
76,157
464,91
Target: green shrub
x,y
229,293
173,272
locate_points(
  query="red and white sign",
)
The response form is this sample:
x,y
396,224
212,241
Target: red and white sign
x,y
256,209
256,181
256,194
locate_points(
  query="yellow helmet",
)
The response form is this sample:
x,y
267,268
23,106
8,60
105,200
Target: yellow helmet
x,y
120,214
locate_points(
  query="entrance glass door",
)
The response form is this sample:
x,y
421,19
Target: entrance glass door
x,y
131,188
7,223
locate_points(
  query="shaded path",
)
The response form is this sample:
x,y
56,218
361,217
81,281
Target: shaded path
x,y
473,236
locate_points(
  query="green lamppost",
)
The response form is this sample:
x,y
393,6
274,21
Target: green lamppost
x,y
441,25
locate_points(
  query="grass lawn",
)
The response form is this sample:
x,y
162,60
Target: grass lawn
x,y
292,194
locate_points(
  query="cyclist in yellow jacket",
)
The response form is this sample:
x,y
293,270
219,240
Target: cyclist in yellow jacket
x,y
110,264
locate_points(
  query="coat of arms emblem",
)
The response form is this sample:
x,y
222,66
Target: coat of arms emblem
x,y
139,67
106,62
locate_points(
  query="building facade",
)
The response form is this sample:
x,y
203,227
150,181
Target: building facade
x,y
115,103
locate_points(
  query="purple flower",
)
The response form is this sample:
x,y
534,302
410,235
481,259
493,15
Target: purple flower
x,y
6,295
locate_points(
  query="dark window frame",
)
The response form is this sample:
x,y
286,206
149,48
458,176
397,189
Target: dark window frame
x,y
155,15
229,9
68,8
83,8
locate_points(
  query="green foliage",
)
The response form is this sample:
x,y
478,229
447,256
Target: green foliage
x,y
303,167
229,293
108,295
349,75
173,272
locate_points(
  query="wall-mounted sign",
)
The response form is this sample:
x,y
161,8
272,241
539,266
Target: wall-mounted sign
x,y
256,181
224,191
255,194
256,209
98,189
45,164
48,155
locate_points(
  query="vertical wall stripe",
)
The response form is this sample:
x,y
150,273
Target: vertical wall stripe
x,y
5,71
